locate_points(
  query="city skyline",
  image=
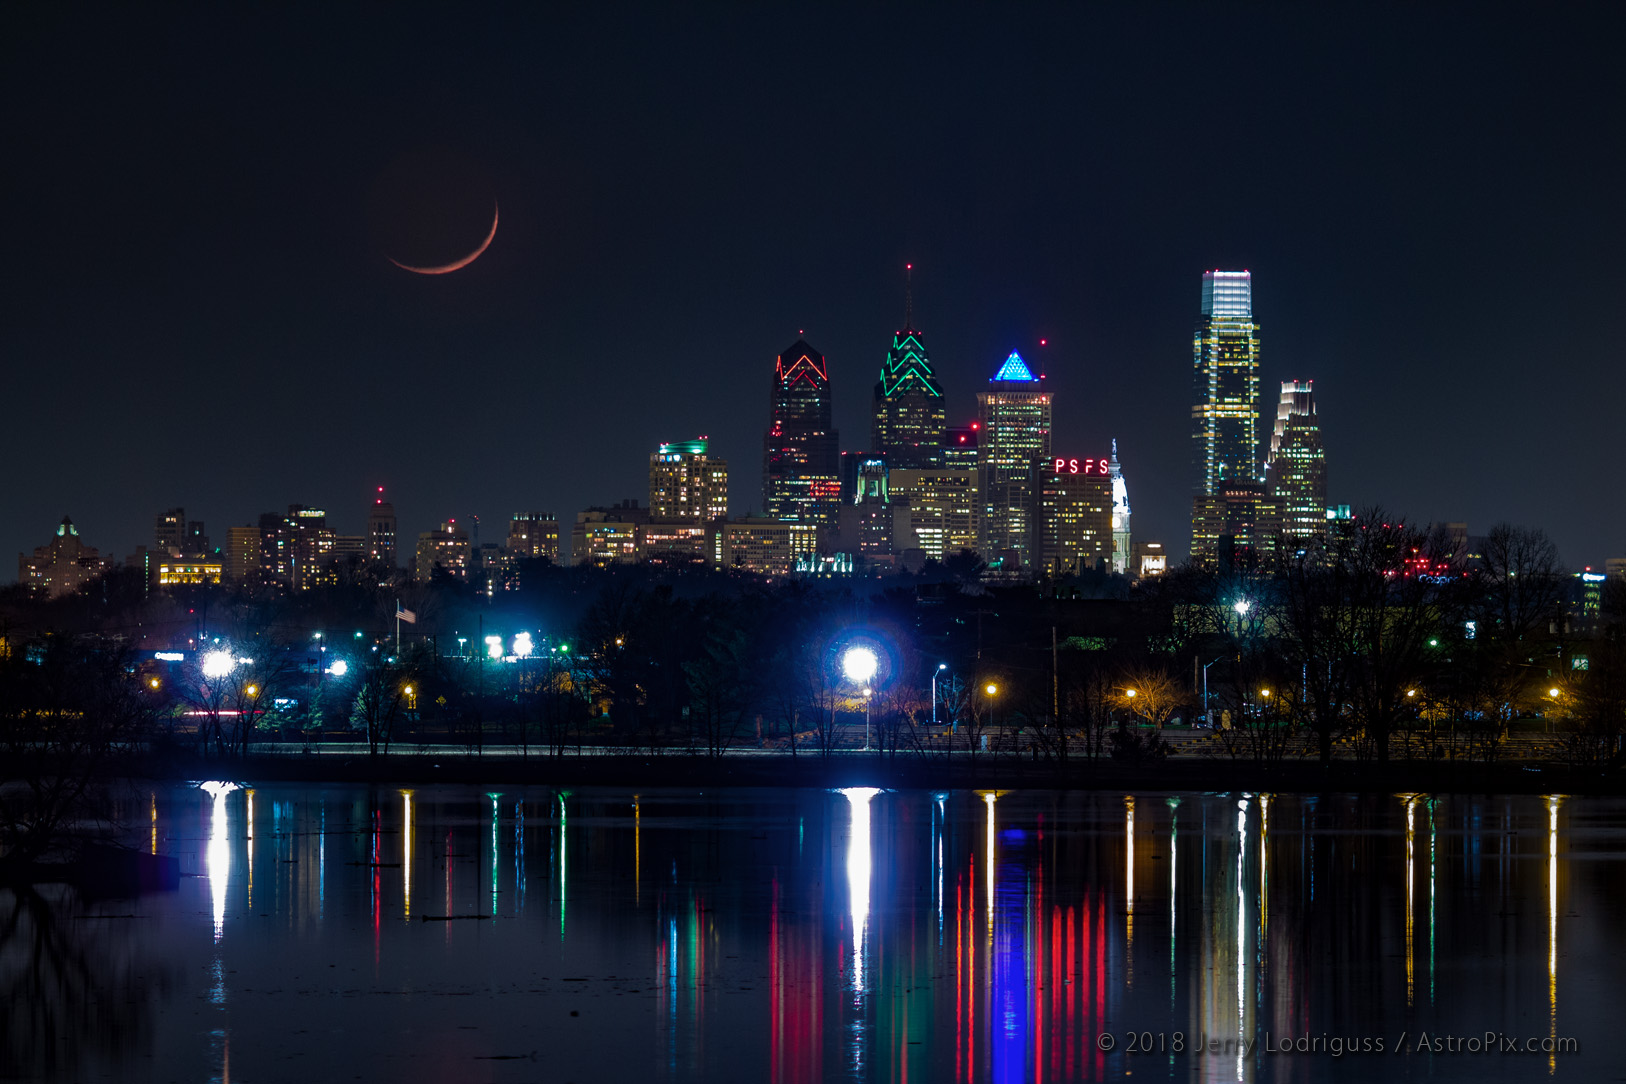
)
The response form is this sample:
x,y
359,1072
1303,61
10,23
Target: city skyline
x,y
210,316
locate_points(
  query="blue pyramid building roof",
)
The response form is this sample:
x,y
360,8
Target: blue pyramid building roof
x,y
1015,369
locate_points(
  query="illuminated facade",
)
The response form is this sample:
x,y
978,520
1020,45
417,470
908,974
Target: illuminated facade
x,y
1150,559
687,482
381,545
683,541
1296,468
800,479
874,524
532,535
1120,514
61,566
171,571
942,508
909,419
1072,516
447,549
607,536
764,546
1225,415
1014,432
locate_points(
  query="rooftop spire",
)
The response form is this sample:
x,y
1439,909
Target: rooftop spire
x,y
908,297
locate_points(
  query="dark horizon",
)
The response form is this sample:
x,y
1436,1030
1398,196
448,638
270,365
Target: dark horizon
x,y
209,203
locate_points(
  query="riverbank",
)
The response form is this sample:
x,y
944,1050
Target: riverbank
x,y
853,768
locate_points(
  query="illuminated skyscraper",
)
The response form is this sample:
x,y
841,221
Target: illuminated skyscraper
x,y
800,472
1296,469
1074,520
1225,417
1014,433
687,482
909,417
381,531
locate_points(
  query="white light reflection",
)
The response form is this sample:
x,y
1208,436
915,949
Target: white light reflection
x,y
249,821
1174,865
218,855
1129,890
859,862
941,813
406,851
989,798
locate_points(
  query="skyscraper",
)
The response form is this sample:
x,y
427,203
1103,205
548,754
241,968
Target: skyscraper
x,y
909,418
1225,416
1014,434
800,475
1073,517
1296,469
169,532
687,482
381,531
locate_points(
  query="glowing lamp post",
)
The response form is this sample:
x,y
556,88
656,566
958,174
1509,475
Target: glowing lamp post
x,y
935,673
860,664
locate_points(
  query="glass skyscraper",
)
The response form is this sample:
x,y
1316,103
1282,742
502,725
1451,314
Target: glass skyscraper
x,y
1014,434
1296,469
801,474
1225,417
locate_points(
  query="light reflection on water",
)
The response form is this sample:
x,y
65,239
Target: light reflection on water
x,y
805,935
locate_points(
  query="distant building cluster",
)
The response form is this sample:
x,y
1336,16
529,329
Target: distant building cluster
x,y
994,492
1248,509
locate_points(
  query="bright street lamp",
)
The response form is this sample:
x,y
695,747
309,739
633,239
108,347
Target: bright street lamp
x,y
1242,607
217,664
940,668
860,664
339,668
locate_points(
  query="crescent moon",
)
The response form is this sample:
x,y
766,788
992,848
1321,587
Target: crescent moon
x,y
455,264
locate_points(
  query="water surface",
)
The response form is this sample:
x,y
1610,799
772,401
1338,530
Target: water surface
x,y
446,933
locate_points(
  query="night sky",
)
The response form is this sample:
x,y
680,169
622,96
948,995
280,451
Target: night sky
x,y
201,206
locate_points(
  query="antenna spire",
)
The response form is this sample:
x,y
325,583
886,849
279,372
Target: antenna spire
x,y
908,297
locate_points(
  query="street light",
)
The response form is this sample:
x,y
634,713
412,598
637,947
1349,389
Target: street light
x,y
153,684
217,664
940,668
992,690
860,664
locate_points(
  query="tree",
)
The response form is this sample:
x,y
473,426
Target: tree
x,y
65,716
1522,582
1149,692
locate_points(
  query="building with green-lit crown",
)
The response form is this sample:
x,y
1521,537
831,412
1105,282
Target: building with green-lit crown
x,y
909,415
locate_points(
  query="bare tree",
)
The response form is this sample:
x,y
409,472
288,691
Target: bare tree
x,y
1523,582
1149,692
